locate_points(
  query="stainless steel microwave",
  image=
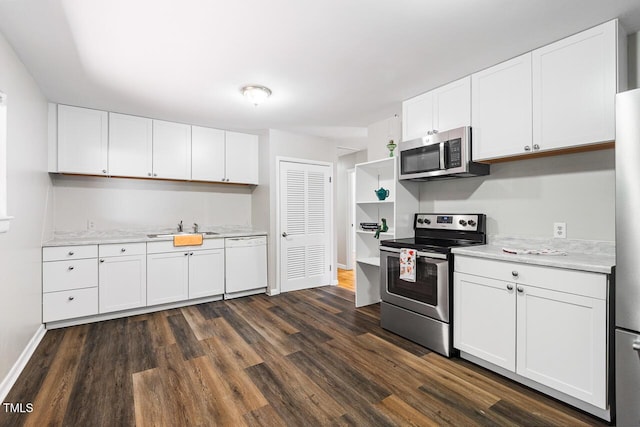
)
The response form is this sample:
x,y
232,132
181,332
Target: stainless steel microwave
x,y
440,155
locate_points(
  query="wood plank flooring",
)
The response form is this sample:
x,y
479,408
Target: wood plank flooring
x,y
304,358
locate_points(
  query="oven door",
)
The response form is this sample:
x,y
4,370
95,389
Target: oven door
x,y
428,295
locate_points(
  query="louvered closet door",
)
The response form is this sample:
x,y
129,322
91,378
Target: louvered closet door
x,y
305,214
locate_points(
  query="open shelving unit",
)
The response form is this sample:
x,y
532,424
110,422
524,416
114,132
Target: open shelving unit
x,y
398,209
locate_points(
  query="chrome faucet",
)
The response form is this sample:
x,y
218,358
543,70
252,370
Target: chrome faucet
x,y
180,227
195,227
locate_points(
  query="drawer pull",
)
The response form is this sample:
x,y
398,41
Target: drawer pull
x,y
509,287
102,260
123,250
514,273
71,267
71,253
636,345
72,298
186,253
520,289
190,253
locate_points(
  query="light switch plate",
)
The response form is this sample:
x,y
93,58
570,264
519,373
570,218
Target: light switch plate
x,y
560,230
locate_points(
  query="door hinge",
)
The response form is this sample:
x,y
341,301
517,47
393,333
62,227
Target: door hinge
x,y
329,179
329,267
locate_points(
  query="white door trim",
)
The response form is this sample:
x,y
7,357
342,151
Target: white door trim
x,y
351,206
279,160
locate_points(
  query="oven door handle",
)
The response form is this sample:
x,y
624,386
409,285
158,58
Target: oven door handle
x,y
442,155
418,253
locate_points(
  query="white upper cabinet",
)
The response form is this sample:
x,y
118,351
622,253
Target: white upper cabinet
x,y
82,140
171,150
574,85
501,109
241,158
208,154
130,145
444,108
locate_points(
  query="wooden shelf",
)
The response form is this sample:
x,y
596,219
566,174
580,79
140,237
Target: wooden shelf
x,y
389,232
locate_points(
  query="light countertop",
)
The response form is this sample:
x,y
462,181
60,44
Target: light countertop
x,y
583,255
97,237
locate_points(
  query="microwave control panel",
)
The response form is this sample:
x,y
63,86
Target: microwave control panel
x,y
455,155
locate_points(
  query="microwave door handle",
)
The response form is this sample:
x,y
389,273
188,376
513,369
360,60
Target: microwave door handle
x,y
442,158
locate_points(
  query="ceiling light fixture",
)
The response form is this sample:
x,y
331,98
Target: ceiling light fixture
x,y
256,94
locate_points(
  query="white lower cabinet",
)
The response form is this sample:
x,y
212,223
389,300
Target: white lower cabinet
x,y
206,273
545,324
181,273
123,277
167,277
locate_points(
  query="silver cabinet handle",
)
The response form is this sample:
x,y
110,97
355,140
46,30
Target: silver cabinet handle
x,y
430,132
527,148
520,289
514,273
149,174
71,253
284,234
636,345
71,267
223,179
227,179
123,250
72,298
536,147
509,287
104,171
102,260
435,131
186,253
155,174
190,253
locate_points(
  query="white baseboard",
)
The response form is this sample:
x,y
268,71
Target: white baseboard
x,y
342,266
334,282
15,371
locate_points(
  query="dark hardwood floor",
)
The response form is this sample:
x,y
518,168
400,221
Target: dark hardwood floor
x,y
303,358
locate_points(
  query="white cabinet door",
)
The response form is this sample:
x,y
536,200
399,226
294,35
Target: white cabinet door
x,y
574,87
167,277
82,140
452,105
123,283
130,145
484,319
171,150
501,109
207,154
417,116
562,342
242,158
206,273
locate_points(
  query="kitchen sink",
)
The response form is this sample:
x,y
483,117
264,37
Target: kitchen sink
x,y
179,233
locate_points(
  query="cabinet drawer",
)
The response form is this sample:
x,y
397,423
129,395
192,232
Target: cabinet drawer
x,y
122,249
69,304
576,282
167,246
61,253
66,275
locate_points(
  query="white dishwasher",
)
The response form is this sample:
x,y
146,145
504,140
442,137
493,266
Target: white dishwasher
x,y
245,266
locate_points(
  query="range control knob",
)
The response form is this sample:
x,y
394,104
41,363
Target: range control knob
x,y
420,221
472,223
462,222
427,221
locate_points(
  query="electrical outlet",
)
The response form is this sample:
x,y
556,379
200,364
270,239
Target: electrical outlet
x,y
560,230
91,225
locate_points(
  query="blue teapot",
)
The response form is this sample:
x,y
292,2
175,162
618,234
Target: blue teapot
x,y
381,193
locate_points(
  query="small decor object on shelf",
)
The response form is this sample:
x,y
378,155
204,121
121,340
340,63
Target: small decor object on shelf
x,y
383,228
391,146
382,193
369,226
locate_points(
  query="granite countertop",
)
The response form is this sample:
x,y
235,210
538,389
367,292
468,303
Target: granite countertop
x,y
97,237
584,255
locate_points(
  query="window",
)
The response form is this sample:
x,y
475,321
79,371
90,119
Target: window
x,y
4,219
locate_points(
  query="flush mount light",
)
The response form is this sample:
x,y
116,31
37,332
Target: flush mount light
x,y
256,94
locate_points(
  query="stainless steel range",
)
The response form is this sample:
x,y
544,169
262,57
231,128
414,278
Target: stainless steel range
x,y
422,310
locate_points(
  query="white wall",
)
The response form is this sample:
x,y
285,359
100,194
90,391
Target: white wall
x,y
280,143
379,134
342,198
120,203
633,48
28,187
525,198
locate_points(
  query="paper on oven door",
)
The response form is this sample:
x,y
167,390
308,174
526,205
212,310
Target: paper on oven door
x,y
408,264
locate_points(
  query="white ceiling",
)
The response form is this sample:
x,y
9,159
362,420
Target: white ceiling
x,y
334,66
